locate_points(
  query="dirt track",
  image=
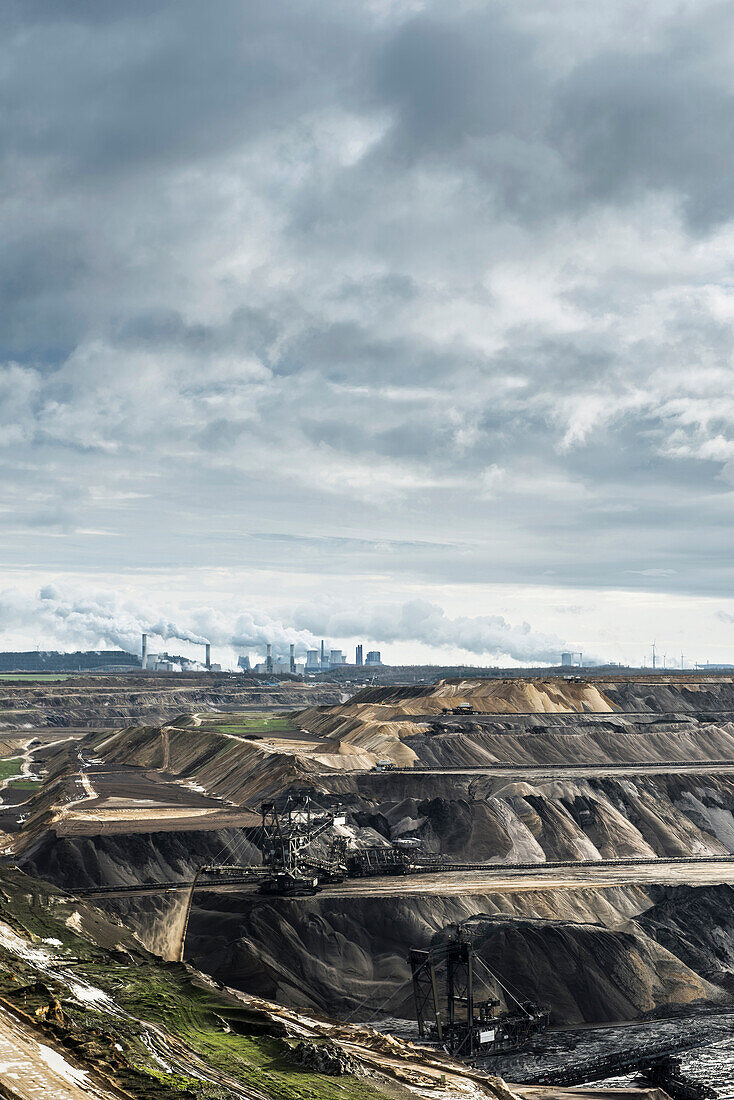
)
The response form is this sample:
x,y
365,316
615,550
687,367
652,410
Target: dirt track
x,y
573,771
571,876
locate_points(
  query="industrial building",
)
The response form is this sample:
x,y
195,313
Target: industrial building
x,y
318,661
166,662
276,665
279,666
111,660
97,660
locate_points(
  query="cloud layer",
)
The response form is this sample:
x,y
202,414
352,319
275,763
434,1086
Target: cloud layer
x,y
438,293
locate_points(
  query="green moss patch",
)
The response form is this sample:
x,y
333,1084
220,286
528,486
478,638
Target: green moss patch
x,y
160,1029
9,766
32,676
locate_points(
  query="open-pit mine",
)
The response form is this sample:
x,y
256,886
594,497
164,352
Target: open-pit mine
x,y
477,888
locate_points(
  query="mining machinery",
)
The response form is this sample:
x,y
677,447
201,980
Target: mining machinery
x,y
288,868
372,860
450,1011
287,835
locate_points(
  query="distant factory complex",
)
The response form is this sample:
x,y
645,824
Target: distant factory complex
x,y
364,668
316,661
117,660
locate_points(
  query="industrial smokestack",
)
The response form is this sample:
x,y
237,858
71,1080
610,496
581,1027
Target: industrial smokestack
x,y
323,654
358,658
293,658
144,659
269,659
208,658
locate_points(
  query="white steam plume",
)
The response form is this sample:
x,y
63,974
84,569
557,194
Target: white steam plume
x,y
62,617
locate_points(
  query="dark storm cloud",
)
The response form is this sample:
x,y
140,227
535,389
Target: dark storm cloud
x,y
160,84
471,92
452,81
660,121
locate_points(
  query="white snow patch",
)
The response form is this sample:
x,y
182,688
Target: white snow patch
x,y
151,1047
90,995
59,1065
53,942
24,950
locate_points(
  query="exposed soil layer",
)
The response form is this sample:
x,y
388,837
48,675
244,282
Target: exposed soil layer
x,y
108,702
73,862
354,956
697,923
508,819
593,955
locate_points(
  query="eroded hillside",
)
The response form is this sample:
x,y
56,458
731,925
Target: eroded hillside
x,y
538,785
88,1012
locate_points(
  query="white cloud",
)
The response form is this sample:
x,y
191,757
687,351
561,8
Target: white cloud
x,y
291,289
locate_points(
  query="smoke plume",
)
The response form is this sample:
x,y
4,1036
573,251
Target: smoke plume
x,y
59,617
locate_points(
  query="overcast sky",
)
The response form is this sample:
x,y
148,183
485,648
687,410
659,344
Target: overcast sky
x,y
397,321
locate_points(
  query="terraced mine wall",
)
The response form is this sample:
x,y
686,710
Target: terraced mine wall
x,y
482,818
594,954
550,945
561,741
110,702
123,859
514,820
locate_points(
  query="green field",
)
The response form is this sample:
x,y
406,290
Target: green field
x,y
259,723
28,784
32,676
10,769
9,766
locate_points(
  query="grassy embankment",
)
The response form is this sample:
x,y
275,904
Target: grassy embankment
x,y
119,1037
262,723
32,676
9,766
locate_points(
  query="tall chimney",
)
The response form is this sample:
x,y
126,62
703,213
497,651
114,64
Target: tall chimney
x,y
208,659
269,659
358,659
323,654
144,661
293,658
